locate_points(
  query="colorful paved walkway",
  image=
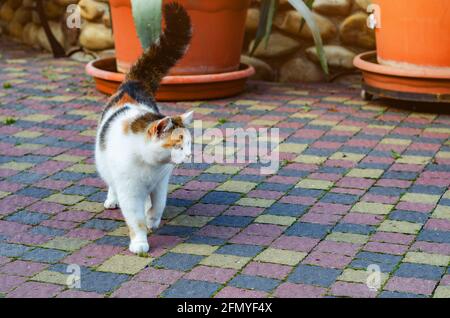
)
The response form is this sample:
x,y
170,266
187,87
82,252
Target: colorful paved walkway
x,y
361,184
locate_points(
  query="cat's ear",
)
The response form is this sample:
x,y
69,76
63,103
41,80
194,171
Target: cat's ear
x,y
187,118
160,127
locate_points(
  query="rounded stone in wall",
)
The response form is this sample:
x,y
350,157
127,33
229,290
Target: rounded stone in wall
x,y
337,56
354,31
96,36
362,4
300,69
279,45
291,22
333,7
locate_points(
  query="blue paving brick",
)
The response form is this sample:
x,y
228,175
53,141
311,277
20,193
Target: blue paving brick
x,y
354,228
284,209
240,250
378,257
248,178
182,231
44,255
26,177
101,282
365,263
306,192
104,225
123,241
218,197
308,229
212,177
423,271
195,239
390,294
401,175
68,176
191,289
254,282
12,250
179,179
80,190
179,202
409,216
48,231
181,262
35,192
291,173
339,198
314,275
388,191
25,217
417,188
233,221
434,236
273,186
97,197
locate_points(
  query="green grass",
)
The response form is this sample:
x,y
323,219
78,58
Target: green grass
x,y
7,85
10,121
222,121
395,154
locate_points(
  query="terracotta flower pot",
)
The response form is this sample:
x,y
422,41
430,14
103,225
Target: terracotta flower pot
x,y
217,39
413,34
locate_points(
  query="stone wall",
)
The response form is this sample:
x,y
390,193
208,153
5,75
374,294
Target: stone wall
x,y
289,57
19,19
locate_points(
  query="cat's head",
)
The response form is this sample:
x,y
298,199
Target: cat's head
x,y
170,138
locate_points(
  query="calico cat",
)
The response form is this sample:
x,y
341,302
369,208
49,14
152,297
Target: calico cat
x,y
136,145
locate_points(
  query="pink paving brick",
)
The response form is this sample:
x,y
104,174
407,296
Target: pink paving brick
x,y
320,218
244,211
211,274
327,260
23,268
206,209
78,294
290,290
269,230
233,292
35,290
395,238
201,185
224,232
159,276
387,248
86,234
341,248
437,225
428,247
10,228
414,206
294,243
92,255
8,282
410,285
252,239
292,199
46,207
363,218
358,183
356,290
29,239
331,208
139,290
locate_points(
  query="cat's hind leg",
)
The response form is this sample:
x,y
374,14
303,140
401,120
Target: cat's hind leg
x,y
111,201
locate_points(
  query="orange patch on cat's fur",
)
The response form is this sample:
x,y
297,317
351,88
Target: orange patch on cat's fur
x,y
126,126
124,100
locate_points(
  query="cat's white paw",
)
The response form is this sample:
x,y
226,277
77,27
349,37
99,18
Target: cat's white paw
x,y
110,204
153,224
139,247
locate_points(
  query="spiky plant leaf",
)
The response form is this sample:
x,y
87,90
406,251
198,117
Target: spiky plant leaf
x,y
306,13
147,20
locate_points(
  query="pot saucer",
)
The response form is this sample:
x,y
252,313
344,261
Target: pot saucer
x,y
391,82
175,88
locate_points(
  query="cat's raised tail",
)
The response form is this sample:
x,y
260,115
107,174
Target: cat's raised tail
x,y
156,62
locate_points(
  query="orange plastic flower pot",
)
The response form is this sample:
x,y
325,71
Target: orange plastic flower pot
x,y
218,34
413,34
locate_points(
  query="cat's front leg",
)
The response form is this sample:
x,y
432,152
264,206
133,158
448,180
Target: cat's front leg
x,y
158,204
111,201
132,205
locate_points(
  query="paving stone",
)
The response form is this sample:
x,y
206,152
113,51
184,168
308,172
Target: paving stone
x,y
191,289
